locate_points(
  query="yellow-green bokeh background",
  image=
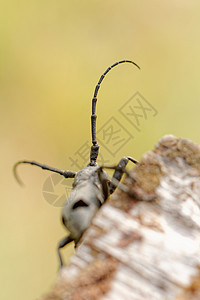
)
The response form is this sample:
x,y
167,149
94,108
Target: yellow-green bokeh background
x,y
52,54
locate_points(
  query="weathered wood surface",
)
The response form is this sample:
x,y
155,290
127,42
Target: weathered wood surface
x,y
140,249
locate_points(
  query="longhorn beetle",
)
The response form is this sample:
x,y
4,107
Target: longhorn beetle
x,y
91,186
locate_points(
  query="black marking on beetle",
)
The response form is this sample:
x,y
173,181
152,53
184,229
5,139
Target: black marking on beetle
x,y
80,203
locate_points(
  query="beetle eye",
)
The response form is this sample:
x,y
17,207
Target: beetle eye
x,y
79,203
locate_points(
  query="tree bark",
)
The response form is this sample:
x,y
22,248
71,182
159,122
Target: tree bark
x,y
143,249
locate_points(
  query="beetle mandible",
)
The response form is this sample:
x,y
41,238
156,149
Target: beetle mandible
x,y
91,186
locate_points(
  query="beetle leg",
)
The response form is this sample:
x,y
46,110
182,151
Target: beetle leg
x,y
103,178
117,184
120,170
61,244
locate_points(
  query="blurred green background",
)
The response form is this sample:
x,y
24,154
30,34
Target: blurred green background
x,y
52,55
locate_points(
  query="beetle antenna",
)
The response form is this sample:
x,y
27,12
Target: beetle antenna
x,y
66,174
95,147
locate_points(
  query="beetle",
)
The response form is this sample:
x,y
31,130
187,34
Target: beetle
x,y
91,186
